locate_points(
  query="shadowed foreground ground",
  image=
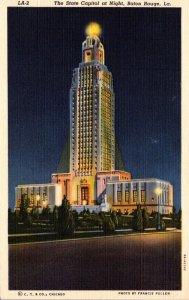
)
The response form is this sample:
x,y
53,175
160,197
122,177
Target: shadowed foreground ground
x,y
130,262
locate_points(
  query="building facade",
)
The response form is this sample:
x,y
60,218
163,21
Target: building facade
x,y
38,195
92,180
154,194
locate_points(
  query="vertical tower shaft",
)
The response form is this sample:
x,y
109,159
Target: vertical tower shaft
x,y
92,132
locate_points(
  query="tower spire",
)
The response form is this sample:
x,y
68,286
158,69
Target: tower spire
x,y
92,48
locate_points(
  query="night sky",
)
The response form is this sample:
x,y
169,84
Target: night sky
x,y
142,50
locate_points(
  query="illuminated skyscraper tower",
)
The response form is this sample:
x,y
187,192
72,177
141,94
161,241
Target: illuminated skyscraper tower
x,y
92,122
92,129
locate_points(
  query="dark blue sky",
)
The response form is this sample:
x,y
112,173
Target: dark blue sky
x,y
142,50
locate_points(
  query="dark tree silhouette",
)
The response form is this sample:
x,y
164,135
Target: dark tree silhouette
x,y
138,219
65,222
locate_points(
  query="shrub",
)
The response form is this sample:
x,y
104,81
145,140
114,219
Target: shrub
x,y
145,216
65,222
138,219
114,218
108,225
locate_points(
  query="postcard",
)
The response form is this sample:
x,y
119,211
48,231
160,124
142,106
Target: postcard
x,y
94,152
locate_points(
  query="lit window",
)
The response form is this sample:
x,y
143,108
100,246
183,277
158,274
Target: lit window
x,y
119,196
143,196
135,196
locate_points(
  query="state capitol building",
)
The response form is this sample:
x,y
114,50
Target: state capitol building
x,y
92,181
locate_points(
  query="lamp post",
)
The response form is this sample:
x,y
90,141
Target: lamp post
x,y
158,192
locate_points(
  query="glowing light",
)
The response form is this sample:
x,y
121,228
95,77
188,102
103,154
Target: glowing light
x,y
93,29
158,191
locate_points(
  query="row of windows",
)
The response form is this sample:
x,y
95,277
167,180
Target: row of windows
x,y
86,126
127,197
86,155
84,150
83,128
106,114
84,147
87,73
37,197
86,83
85,138
86,111
84,142
106,84
85,170
85,107
84,89
86,158
85,101
107,138
86,69
106,91
84,96
106,98
85,164
106,149
106,117
85,117
83,173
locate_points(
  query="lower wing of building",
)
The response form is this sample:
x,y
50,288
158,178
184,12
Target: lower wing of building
x,y
107,190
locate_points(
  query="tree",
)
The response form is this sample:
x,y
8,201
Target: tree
x,y
76,217
173,215
55,217
65,222
34,212
119,213
114,218
138,219
12,221
145,216
108,225
23,213
46,212
179,219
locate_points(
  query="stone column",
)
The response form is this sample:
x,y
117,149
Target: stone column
x,y
122,193
89,195
138,193
79,195
29,195
35,194
131,193
47,192
41,194
115,194
68,189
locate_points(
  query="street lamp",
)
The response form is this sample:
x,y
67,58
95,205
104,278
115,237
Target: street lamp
x,y
158,192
